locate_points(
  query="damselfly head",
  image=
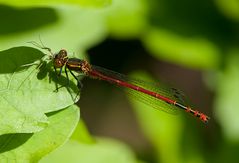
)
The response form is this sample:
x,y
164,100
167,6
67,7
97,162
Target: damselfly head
x,y
60,58
63,53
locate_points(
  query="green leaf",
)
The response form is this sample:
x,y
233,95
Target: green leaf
x,y
12,59
193,52
14,119
32,147
27,93
103,151
92,3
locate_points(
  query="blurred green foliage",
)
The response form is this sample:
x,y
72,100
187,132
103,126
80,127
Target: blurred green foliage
x,y
104,150
201,35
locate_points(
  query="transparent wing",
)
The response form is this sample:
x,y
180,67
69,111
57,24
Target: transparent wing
x,y
161,89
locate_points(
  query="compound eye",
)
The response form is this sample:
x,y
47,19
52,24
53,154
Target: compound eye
x,y
63,52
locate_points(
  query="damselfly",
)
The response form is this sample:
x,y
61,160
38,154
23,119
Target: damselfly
x,y
167,99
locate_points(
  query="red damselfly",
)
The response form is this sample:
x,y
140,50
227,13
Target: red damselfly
x,y
167,99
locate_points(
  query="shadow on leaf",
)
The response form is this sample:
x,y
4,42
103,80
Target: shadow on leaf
x,y
11,141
